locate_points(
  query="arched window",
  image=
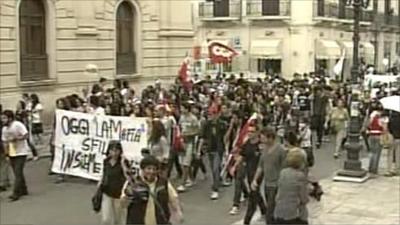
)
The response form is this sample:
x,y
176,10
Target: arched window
x,y
32,39
126,55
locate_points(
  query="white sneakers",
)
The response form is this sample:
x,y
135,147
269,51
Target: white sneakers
x,y
181,188
189,183
226,183
234,210
336,155
214,195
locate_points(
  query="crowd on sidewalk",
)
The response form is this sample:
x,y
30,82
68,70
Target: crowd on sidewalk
x,y
252,133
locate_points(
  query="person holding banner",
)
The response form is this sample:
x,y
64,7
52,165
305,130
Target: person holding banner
x,y
14,136
111,184
61,103
149,198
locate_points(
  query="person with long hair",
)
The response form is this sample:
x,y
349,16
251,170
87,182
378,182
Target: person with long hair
x,y
21,115
36,118
158,145
4,164
111,184
14,136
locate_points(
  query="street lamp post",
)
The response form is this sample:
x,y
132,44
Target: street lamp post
x,y
352,170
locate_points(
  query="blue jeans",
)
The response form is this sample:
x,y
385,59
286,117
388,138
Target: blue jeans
x,y
215,164
376,149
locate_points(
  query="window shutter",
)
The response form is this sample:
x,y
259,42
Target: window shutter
x,y
32,25
126,57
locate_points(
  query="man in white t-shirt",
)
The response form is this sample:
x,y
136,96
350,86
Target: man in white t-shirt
x,y
14,137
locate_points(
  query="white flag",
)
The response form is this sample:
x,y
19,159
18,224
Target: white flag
x,y
337,69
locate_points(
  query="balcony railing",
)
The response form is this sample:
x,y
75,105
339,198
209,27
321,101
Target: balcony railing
x,y
388,20
220,10
268,8
333,11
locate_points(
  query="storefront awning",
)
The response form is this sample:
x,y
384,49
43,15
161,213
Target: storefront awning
x,y
348,46
327,49
367,50
267,49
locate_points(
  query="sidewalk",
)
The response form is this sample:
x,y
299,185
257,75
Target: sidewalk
x,y
377,201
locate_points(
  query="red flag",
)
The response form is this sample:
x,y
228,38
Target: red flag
x,y
240,139
220,53
242,136
184,74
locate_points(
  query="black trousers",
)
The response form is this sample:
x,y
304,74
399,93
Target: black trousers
x,y
293,221
255,199
318,125
197,164
174,160
18,164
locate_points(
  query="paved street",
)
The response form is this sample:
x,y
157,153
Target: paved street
x,y
69,203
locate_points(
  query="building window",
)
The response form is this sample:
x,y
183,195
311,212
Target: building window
x,y
32,39
126,55
270,7
212,67
270,66
221,8
342,9
321,7
227,67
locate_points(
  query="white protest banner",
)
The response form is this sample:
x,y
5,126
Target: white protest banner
x,y
81,141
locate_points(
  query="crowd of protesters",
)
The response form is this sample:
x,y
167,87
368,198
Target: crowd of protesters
x,y
189,124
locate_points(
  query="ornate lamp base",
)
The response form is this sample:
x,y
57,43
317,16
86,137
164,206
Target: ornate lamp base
x,y
351,176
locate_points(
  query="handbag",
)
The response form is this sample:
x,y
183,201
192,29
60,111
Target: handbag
x,y
177,141
97,199
98,195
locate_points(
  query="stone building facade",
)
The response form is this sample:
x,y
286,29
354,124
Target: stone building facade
x,y
58,47
288,36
